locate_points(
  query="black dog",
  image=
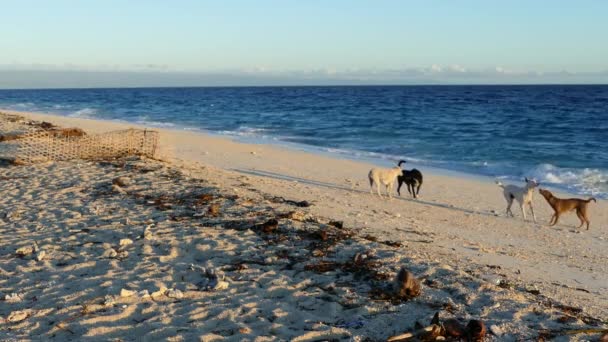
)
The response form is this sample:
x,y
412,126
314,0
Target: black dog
x,y
413,179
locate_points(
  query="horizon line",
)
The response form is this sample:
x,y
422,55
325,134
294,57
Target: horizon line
x,y
322,86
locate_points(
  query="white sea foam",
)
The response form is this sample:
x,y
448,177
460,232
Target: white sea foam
x,y
145,121
22,106
245,131
582,181
84,113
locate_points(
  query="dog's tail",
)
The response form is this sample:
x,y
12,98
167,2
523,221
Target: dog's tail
x,y
500,184
591,199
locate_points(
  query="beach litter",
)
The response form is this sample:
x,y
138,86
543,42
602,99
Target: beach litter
x,y
212,281
475,331
18,316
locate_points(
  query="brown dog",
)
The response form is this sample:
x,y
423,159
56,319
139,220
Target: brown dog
x,y
561,206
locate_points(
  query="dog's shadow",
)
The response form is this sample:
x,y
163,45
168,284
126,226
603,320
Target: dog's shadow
x,y
279,176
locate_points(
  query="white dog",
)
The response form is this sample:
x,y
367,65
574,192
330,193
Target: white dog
x,y
386,177
523,195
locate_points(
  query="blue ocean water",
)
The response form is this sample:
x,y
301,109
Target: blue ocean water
x,y
556,134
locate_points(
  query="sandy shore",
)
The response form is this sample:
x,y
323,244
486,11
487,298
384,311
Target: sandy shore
x,y
474,262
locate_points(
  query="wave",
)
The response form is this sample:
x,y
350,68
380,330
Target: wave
x,y
84,113
21,106
146,121
585,181
246,131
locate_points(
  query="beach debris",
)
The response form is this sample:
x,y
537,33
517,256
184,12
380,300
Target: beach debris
x,y
203,199
370,238
301,204
532,289
13,298
267,227
496,330
67,132
430,333
122,181
125,242
604,337
476,330
213,210
122,255
337,224
395,244
118,189
213,280
453,328
110,253
143,294
161,292
295,215
147,234
436,331
406,285
18,316
362,265
127,293
322,266
109,300
279,199
174,293
24,251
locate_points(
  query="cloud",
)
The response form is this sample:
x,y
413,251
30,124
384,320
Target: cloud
x,y
145,75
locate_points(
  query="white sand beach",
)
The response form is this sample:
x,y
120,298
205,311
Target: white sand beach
x,y
179,253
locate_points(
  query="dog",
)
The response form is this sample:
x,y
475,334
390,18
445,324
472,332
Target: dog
x,y
385,177
562,205
413,180
523,195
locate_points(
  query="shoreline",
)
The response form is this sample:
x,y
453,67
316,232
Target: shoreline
x,y
271,142
456,234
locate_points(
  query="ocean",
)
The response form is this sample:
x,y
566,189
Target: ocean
x,y
555,133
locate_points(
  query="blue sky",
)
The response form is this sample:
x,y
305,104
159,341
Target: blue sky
x,y
370,41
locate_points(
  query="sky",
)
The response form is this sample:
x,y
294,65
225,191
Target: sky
x,y
65,43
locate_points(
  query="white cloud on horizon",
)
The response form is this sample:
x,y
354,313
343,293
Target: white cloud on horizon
x,y
39,75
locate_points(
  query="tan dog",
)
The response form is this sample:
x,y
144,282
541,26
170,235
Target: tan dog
x,y
561,205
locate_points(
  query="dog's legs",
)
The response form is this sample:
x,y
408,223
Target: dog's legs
x,y
532,210
418,190
371,185
584,213
509,203
523,211
551,220
412,192
399,188
556,219
389,187
580,217
378,189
